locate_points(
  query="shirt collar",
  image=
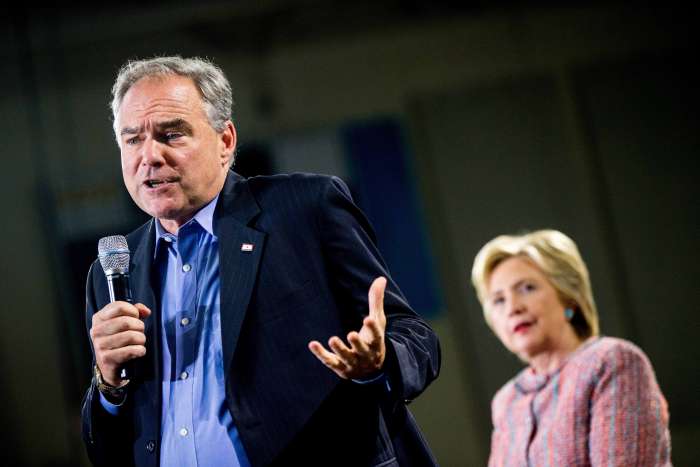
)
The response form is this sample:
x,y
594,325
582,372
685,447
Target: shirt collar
x,y
204,217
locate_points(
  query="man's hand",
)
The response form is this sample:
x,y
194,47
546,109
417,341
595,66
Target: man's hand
x,y
367,350
117,335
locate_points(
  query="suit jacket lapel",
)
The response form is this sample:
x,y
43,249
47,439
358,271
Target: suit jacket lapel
x,y
147,371
240,250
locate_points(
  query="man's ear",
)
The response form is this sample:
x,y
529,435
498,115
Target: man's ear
x,y
228,140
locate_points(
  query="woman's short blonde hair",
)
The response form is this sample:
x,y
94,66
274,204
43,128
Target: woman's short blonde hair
x,y
559,259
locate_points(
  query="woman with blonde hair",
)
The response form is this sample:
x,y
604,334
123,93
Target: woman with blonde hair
x,y
582,399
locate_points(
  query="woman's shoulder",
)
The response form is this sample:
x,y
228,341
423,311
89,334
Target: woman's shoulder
x,y
610,348
613,354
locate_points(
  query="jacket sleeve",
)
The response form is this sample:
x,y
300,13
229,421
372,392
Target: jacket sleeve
x,y
106,437
629,417
349,247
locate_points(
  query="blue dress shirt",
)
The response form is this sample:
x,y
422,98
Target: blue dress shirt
x,y
196,425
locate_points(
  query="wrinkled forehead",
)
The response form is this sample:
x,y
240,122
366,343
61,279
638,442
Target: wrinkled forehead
x,y
160,98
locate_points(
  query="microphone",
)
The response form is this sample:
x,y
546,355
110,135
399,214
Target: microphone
x,y
113,252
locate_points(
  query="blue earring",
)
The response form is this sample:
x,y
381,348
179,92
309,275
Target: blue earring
x,y
568,314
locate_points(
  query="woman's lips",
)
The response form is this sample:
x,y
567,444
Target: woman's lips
x,y
522,327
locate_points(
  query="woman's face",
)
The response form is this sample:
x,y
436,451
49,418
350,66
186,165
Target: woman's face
x,y
525,310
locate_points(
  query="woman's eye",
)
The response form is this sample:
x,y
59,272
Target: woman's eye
x,y
528,287
497,301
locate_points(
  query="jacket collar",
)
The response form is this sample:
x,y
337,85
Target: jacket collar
x,y
236,201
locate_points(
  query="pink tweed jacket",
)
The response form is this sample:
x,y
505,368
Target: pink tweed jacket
x,y
601,407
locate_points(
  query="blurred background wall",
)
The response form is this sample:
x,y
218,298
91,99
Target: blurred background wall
x,y
451,121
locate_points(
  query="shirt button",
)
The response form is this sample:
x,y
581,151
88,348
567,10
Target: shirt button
x,y
151,446
183,432
167,239
185,321
186,267
183,375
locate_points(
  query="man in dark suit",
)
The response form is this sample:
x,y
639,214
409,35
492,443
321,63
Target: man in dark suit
x,y
235,283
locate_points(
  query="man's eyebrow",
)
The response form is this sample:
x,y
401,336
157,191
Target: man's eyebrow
x,y
129,130
175,124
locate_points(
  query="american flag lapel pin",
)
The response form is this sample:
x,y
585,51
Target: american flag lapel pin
x,y
246,247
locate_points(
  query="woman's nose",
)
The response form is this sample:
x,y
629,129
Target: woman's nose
x,y
515,306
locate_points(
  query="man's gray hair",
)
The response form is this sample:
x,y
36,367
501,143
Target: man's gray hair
x,y
213,86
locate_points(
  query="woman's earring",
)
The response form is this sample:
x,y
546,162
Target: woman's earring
x,y
568,314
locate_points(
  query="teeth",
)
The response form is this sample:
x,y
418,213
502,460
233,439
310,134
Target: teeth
x,y
152,183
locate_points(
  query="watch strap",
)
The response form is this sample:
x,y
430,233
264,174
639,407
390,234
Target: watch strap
x,y
114,394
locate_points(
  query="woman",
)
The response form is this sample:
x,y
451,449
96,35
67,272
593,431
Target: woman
x,y
583,399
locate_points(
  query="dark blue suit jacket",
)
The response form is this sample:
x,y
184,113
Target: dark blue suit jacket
x,y
306,278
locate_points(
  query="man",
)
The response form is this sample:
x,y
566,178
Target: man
x,y
236,281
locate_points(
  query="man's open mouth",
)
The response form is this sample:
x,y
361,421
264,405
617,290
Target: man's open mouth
x,y
156,182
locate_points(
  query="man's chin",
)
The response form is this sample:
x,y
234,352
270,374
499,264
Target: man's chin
x,y
164,213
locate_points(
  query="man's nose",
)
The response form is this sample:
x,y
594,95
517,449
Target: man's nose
x,y
152,152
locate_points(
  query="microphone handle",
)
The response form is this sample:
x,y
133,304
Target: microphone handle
x,y
119,290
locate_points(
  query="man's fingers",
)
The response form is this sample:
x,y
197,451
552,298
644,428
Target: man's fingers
x,y
376,298
115,326
342,351
358,344
329,359
144,311
321,353
117,335
122,339
365,354
333,360
376,332
114,309
123,323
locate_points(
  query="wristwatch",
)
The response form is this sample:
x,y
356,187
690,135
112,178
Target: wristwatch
x,y
112,393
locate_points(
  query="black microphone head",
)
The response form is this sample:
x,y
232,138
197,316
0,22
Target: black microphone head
x,y
113,253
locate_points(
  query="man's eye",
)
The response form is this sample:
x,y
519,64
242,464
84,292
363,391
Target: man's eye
x,y
133,140
172,136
